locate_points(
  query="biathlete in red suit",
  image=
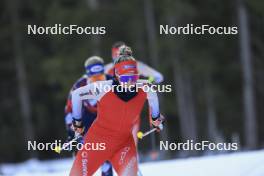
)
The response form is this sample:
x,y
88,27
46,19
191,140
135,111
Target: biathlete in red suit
x,y
145,72
118,109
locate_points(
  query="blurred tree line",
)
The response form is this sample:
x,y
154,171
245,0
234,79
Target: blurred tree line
x,y
218,87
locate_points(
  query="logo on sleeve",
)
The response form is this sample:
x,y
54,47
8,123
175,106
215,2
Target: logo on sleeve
x,y
97,91
86,93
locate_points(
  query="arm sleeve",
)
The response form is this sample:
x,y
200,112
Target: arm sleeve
x,y
68,106
87,92
68,119
153,104
108,67
147,71
79,83
68,112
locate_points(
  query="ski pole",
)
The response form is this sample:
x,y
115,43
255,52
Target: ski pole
x,y
140,134
58,149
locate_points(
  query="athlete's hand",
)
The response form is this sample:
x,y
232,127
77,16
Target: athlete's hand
x,y
158,122
70,132
77,127
151,79
154,80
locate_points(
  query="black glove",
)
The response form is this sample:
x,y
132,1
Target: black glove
x,y
77,126
70,132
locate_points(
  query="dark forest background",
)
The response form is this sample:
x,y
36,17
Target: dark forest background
x,y
218,87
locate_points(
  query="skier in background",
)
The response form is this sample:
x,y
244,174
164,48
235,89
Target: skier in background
x,y
94,67
117,113
145,71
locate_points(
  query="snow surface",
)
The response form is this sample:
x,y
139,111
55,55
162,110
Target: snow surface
x,y
235,164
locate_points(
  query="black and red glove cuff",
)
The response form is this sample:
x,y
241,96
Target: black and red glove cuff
x,y
77,123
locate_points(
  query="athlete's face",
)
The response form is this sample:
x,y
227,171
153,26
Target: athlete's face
x,y
115,53
99,77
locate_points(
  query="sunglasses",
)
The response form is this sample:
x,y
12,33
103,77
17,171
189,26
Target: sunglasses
x,y
128,78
